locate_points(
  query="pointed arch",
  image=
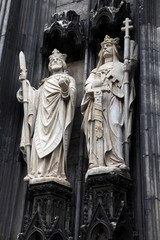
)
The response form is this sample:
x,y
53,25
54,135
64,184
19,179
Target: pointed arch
x,y
57,236
36,235
99,232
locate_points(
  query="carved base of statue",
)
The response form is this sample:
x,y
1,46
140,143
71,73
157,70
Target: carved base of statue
x,y
122,170
49,179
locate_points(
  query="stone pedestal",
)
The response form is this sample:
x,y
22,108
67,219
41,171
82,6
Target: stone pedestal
x,y
48,214
105,208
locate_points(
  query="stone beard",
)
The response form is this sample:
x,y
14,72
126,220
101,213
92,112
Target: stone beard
x,y
50,114
103,110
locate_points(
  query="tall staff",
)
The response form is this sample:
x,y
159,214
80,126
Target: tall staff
x,y
23,77
126,29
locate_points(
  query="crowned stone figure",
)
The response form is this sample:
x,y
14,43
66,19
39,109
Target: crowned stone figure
x,y
50,112
103,110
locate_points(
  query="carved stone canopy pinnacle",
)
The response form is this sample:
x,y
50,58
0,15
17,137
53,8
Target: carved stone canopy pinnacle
x,y
107,18
65,33
109,3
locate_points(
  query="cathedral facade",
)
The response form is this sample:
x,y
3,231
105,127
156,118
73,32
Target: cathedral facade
x,y
119,198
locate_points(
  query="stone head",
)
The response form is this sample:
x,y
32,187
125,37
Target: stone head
x,y
57,61
109,47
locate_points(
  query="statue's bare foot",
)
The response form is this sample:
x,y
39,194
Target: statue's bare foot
x,y
26,178
124,167
62,176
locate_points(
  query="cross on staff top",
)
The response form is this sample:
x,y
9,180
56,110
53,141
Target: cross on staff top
x,y
127,27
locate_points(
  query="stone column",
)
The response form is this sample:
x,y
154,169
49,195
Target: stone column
x,y
148,161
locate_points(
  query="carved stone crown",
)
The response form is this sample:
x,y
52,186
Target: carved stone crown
x,y
107,39
56,53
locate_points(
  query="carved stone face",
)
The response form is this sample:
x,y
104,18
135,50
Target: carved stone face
x,y
107,50
55,64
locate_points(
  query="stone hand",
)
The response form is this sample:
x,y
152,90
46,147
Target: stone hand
x,y
22,76
64,83
97,82
126,67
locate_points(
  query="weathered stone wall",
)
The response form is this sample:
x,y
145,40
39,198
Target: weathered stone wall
x,y
79,6
75,69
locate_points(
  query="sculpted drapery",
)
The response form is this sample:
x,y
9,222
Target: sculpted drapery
x,y
103,110
50,114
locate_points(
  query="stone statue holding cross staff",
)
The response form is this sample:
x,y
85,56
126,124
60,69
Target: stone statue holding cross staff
x,y
104,108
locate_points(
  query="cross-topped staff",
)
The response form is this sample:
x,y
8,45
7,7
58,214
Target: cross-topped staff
x,y
126,70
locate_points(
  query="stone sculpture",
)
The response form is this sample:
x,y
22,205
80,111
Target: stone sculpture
x,y
103,110
48,116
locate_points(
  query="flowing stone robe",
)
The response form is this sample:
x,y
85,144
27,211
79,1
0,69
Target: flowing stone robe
x,y
50,116
103,122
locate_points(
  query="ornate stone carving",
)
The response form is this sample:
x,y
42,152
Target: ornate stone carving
x,y
112,6
64,33
48,213
104,111
105,212
107,18
48,115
